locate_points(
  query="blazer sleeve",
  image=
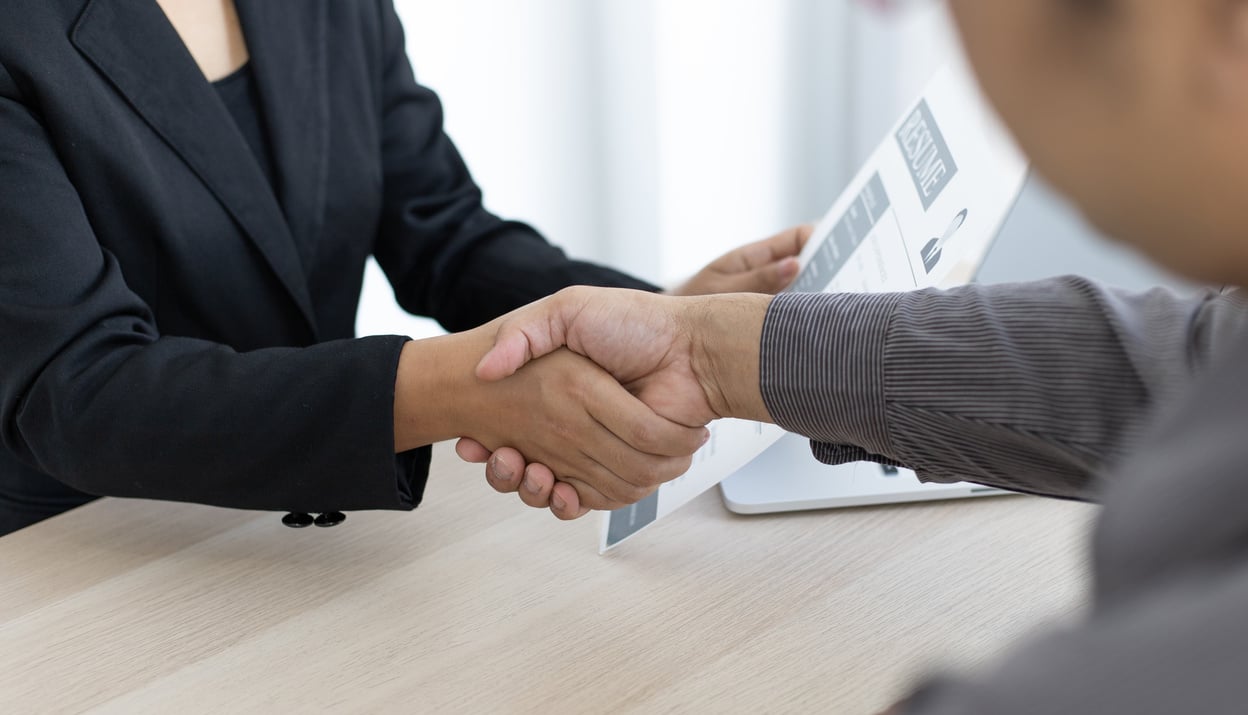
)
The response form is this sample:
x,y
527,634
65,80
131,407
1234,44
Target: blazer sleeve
x,y
92,394
1029,387
446,256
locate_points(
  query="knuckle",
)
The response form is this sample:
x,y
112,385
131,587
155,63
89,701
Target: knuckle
x,y
613,505
586,493
665,470
630,492
657,472
637,494
651,476
644,437
575,293
576,387
619,493
597,501
563,432
613,493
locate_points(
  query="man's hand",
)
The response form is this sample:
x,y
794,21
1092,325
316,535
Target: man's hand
x,y
644,341
691,360
568,414
766,266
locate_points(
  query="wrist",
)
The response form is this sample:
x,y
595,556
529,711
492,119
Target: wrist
x,y
436,389
725,334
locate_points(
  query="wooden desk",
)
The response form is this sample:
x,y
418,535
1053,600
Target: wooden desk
x,y
476,604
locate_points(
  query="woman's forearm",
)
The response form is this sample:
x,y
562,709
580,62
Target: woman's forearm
x,y
435,389
563,409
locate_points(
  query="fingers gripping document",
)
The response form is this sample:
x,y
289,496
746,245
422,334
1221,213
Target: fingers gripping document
x,y
921,212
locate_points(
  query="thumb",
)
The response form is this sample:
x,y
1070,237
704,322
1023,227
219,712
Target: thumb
x,y
511,352
528,334
472,451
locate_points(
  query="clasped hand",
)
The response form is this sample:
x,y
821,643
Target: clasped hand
x,y
656,369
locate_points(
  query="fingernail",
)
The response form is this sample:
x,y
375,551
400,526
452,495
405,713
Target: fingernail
x,y
558,503
789,269
500,469
706,436
532,486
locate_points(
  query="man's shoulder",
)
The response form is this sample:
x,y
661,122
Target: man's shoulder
x,y
1181,499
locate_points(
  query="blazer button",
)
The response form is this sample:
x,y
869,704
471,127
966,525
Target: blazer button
x,y
297,520
330,518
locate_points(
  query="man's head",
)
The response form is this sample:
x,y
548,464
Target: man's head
x,y
1137,109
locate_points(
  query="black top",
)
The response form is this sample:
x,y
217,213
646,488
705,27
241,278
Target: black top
x,y
241,96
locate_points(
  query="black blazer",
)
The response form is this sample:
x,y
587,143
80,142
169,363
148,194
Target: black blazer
x,y
174,327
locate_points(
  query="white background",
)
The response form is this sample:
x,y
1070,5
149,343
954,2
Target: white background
x,y
653,135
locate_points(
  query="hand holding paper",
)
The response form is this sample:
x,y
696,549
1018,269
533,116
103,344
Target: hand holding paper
x,y
766,266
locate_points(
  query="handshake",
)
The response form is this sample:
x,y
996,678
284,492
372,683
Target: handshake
x,y
601,395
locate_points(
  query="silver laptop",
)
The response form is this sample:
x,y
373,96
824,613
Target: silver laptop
x,y
1042,237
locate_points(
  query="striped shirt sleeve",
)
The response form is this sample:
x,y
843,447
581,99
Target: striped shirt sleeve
x,y
1033,387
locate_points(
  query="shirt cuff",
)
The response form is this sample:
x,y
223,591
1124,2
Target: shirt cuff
x,y
822,371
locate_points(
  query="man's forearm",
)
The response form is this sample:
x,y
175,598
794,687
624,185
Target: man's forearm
x,y
1030,386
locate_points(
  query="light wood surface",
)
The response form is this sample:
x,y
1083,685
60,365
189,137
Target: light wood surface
x,y
475,604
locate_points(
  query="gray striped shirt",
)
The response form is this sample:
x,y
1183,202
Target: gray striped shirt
x,y
1069,389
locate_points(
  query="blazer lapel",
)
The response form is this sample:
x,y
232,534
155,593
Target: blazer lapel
x,y
132,43
287,42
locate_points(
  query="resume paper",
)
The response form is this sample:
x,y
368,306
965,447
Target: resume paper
x,y
921,213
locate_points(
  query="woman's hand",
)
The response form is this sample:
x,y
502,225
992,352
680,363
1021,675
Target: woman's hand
x,y
564,410
766,266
